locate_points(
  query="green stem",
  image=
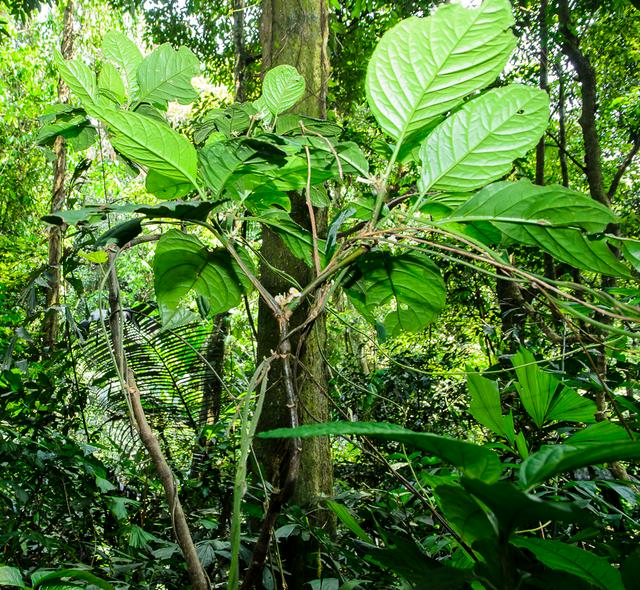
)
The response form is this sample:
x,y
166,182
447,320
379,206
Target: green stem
x,y
381,189
239,488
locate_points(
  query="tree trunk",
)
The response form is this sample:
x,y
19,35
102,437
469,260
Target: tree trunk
x,y
58,198
562,131
241,61
587,78
593,171
211,391
543,33
294,32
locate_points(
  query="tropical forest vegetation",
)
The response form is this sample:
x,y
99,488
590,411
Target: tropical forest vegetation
x,y
319,294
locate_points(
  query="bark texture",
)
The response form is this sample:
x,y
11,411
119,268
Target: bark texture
x,y
294,32
240,66
58,199
588,88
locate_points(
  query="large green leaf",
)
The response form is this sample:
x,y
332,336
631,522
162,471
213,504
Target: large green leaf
x,y
545,398
485,406
555,459
514,508
425,66
191,210
152,144
345,516
85,216
515,207
282,88
297,239
110,83
410,282
574,248
475,461
92,214
478,143
166,188
220,161
550,218
556,555
165,75
630,570
464,513
125,54
600,433
326,151
74,574
404,557
121,234
182,264
80,79
11,576
77,129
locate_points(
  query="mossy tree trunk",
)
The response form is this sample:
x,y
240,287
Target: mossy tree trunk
x,y
294,32
58,198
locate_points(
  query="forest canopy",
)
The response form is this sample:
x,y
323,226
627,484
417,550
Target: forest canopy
x,y
319,295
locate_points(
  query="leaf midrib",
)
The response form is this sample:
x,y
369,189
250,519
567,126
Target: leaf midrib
x,y
164,82
154,151
403,134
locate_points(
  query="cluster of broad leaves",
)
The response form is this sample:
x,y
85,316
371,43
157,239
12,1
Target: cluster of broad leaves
x,y
426,86
543,398
492,515
64,579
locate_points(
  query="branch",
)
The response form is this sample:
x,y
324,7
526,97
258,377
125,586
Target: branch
x,y
567,153
197,575
195,570
587,78
622,168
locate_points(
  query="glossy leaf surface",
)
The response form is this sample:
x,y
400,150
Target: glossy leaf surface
x,y
410,282
423,67
166,75
554,460
593,569
473,460
124,53
545,398
477,144
282,88
152,144
485,406
182,264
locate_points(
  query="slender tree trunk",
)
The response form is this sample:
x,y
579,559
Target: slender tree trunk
x,y
592,158
211,390
240,67
593,170
58,198
543,82
197,575
295,32
562,131
587,78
